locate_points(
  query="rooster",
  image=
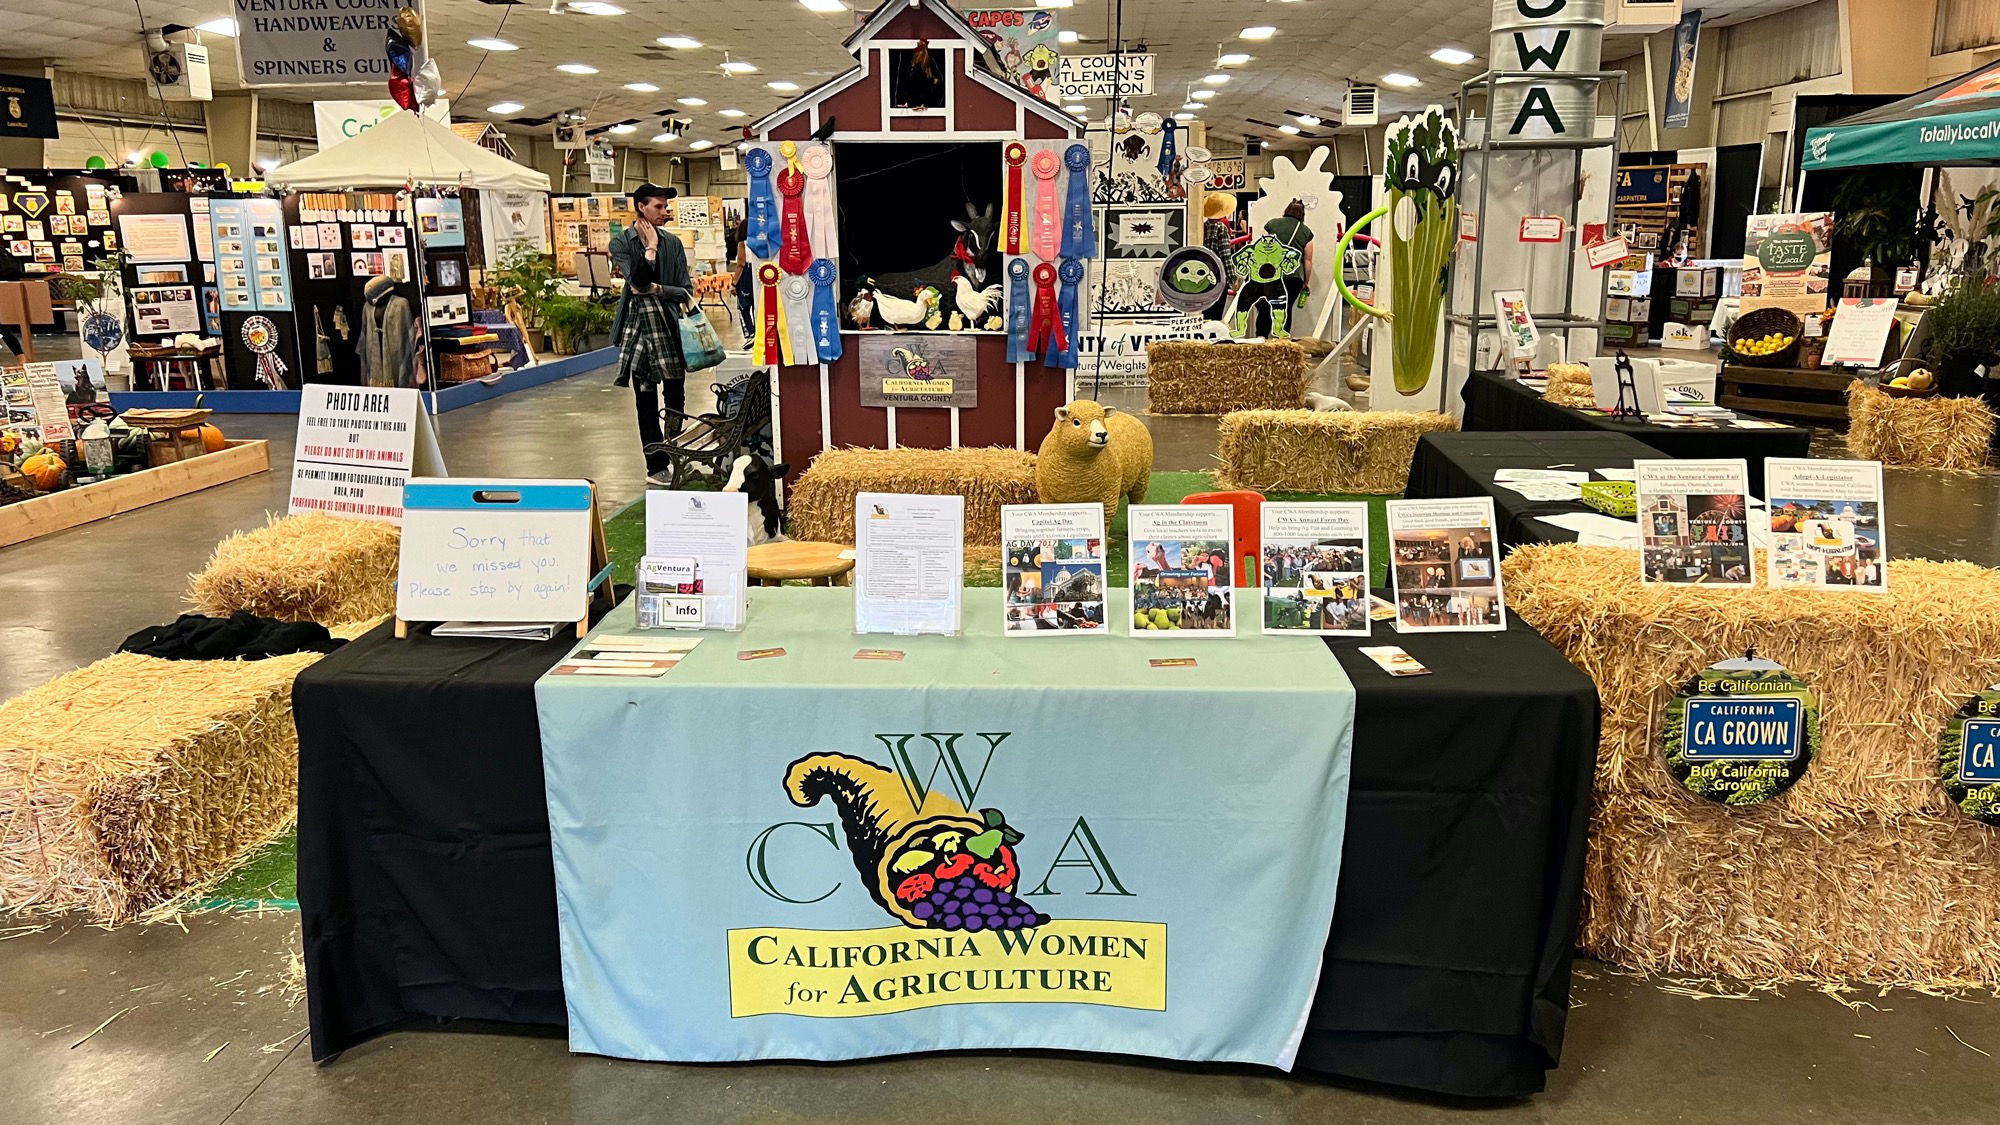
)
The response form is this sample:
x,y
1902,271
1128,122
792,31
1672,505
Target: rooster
x,y
861,310
980,306
899,313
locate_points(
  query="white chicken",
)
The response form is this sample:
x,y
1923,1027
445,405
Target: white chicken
x,y
899,313
975,303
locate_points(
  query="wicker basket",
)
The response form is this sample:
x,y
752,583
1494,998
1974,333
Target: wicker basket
x,y
1762,322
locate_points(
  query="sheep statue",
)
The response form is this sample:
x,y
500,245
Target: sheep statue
x,y
1094,454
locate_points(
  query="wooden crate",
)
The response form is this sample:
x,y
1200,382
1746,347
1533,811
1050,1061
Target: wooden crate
x,y
1790,391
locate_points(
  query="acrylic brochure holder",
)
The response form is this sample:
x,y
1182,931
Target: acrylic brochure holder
x,y
909,564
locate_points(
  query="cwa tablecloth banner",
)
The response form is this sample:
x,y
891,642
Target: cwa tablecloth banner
x,y
982,844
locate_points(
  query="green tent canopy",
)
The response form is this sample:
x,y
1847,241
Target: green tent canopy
x,y
1955,123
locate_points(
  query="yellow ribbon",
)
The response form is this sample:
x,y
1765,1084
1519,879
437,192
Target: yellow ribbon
x,y
767,293
790,151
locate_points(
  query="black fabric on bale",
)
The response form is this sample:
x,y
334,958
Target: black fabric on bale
x,y
240,636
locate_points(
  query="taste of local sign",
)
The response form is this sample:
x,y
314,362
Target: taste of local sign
x,y
315,42
1104,76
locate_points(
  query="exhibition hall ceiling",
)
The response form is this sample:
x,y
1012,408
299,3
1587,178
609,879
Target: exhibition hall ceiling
x,y
1314,49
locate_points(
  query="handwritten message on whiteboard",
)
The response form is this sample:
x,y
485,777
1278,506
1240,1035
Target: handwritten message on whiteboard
x,y
495,550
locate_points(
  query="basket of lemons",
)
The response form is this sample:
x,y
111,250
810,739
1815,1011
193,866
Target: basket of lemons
x,y
1766,338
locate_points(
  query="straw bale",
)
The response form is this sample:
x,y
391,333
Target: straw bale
x,y
1322,451
822,505
134,780
303,568
1569,385
1197,377
1925,433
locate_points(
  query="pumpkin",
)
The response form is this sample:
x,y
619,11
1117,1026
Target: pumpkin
x,y
10,440
211,438
46,470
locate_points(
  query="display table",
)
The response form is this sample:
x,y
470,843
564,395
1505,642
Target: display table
x,y
1451,465
1495,402
426,880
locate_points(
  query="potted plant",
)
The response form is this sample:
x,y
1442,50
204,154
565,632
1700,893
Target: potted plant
x,y
1877,221
1962,333
527,279
571,321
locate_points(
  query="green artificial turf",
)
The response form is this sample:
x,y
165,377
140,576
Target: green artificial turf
x,y
268,878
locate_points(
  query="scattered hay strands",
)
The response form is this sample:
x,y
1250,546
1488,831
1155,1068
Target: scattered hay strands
x,y
1322,451
120,1012
210,1057
303,568
822,505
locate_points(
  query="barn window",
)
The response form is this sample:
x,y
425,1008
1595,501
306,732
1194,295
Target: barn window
x,y
917,77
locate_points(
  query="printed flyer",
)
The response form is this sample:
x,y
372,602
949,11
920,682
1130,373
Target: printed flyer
x,y
1693,528
1315,568
1053,569
1788,262
696,562
1181,570
1826,524
1444,566
909,563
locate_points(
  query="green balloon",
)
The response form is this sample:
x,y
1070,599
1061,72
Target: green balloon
x,y
96,162
159,160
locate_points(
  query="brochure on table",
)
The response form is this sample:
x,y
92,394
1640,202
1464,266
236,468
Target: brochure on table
x,y
1693,525
1444,566
496,551
696,568
356,449
1315,568
1827,525
1517,327
1181,570
1053,569
35,405
909,563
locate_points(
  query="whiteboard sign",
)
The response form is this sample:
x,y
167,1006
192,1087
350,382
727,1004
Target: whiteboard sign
x,y
495,550
357,447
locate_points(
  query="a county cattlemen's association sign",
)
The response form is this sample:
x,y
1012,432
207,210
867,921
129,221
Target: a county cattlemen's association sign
x,y
315,42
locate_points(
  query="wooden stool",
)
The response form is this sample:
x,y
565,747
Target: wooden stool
x,y
773,564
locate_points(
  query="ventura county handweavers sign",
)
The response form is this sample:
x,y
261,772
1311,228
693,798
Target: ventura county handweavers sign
x,y
314,42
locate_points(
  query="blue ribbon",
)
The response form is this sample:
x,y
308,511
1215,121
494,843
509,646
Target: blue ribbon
x,y
762,233
1079,233
1167,147
825,318
1069,273
1017,311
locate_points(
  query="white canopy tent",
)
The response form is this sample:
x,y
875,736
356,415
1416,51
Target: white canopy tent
x,y
406,148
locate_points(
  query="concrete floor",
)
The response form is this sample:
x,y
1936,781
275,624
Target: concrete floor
x,y
1635,1053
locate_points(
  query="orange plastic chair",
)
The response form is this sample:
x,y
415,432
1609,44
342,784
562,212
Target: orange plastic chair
x,y
1249,530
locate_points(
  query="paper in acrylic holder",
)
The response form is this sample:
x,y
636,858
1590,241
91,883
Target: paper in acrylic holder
x,y
909,563
695,574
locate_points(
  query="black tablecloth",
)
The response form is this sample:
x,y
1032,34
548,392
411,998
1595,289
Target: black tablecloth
x,y
427,888
1496,402
1450,465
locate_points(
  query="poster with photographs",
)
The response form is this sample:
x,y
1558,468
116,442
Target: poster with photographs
x,y
1693,528
1181,575
1053,569
1314,568
1826,525
451,308
1444,566
1126,288
165,310
1141,232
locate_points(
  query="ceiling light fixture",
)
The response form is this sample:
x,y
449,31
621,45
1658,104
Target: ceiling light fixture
x,y
1452,56
1259,32
224,26
731,113
1077,108
824,6
1215,79
1192,105
702,144
595,8
1233,58
576,68
491,44
1289,130
783,87
692,101
1054,3
1202,95
1183,117
642,87
1308,119
1398,78
665,138
738,66
504,107
1068,38
678,42
622,130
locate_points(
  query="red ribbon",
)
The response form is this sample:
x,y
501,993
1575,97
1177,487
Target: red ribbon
x,y
1045,329
771,343
1016,155
795,255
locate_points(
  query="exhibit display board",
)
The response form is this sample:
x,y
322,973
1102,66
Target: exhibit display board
x,y
58,222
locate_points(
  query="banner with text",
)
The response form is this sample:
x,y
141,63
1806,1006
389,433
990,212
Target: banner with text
x,y
968,847
1104,76
315,42
357,447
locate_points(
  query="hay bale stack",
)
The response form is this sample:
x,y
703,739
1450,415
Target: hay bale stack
x,y
1922,433
1196,377
303,568
1569,385
822,505
1862,870
135,780
1322,451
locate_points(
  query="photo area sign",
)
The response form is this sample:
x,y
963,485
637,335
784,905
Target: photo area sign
x,y
310,43
358,447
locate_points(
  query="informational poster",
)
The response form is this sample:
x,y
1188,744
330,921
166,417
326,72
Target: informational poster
x,y
1693,528
909,563
304,43
1104,76
1182,570
251,264
1788,262
1026,41
1826,524
1053,569
35,402
155,238
440,222
1444,566
1517,327
159,310
697,543
1860,331
1680,86
1314,568
356,449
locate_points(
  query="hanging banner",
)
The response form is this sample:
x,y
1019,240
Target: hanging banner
x,y
1741,732
1680,91
1104,76
27,107
1025,42
337,121
1226,173
309,43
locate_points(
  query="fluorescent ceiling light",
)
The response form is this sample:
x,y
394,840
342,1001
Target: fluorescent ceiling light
x,y
504,107
1233,58
702,144
1078,108
622,130
738,66
224,26
783,87
1398,78
595,8
1215,79
678,42
1054,3
266,163
665,139
1452,56
692,101
1202,95
576,68
824,5
1192,105
1308,119
1290,130
1259,32
491,44
732,113
642,87
1183,117
1067,38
